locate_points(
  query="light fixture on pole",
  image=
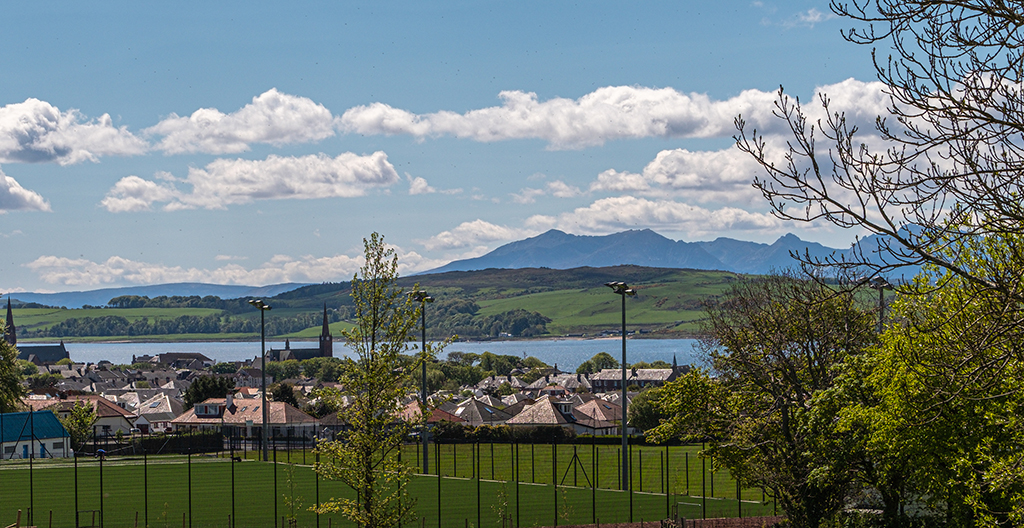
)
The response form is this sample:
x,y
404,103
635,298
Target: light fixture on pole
x,y
263,307
423,298
880,284
620,288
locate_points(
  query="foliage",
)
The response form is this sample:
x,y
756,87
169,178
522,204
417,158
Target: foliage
x,y
365,457
205,387
79,423
323,369
600,361
643,412
774,344
283,392
11,389
44,380
26,367
65,361
223,368
282,370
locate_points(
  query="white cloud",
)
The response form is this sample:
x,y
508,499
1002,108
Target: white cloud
x,y
272,117
477,233
609,113
810,17
36,131
229,257
557,188
227,182
14,197
609,215
419,186
703,176
280,268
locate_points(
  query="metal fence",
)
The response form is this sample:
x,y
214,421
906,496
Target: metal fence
x,y
206,481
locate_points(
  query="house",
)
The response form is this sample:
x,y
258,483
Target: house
x,y
608,380
245,418
552,411
36,434
110,417
250,377
476,412
156,414
181,360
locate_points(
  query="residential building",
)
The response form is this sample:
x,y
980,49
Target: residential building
x,y
36,434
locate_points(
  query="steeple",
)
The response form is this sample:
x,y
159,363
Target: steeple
x,y
10,335
326,341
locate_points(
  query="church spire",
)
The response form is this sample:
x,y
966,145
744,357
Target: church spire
x,y
326,341
10,335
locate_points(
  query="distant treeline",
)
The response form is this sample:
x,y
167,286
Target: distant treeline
x,y
116,325
453,317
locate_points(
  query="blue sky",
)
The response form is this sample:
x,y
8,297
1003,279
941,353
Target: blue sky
x,y
254,143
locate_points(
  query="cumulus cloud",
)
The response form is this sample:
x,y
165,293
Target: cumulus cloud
x,y
704,176
419,186
609,215
476,234
280,268
272,117
14,197
227,182
36,131
609,113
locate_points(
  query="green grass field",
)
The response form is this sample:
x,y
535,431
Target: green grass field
x,y
248,489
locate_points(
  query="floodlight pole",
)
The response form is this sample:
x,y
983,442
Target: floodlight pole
x,y
623,290
880,284
263,307
423,298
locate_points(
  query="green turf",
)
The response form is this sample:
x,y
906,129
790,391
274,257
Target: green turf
x,y
220,488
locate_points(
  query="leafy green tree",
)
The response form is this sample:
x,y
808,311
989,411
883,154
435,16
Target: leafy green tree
x,y
365,458
284,392
644,413
223,368
600,361
27,368
65,361
11,389
282,370
774,344
79,423
205,387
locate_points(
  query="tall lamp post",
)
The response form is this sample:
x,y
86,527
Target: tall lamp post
x,y
880,284
621,289
263,307
423,298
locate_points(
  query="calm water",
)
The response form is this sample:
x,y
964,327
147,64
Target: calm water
x,y
567,353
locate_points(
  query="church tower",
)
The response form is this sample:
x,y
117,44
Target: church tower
x,y
10,335
326,341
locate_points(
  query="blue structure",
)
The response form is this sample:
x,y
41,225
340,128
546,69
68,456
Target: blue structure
x,y
36,434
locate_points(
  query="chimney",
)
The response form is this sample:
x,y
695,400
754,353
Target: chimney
x,y
229,400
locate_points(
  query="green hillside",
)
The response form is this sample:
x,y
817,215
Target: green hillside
x,y
476,304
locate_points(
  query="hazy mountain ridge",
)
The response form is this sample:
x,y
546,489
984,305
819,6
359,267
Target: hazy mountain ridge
x,y
560,250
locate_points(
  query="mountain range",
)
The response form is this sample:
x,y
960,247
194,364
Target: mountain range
x,y
553,249
560,250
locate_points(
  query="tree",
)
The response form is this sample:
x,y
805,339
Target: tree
x,y
11,389
283,392
600,361
644,413
365,456
79,423
774,344
947,171
205,387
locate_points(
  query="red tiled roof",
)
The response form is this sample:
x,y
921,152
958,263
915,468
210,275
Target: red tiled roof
x,y
242,411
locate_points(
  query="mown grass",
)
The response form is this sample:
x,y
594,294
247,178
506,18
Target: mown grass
x,y
164,487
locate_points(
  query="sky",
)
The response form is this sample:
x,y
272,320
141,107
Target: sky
x,y
257,143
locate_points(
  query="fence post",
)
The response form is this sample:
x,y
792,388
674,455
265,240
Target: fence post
x,y
189,486
145,484
231,448
274,445
102,520
554,477
476,470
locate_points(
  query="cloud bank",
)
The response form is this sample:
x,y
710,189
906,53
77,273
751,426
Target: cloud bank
x,y
227,182
14,197
606,114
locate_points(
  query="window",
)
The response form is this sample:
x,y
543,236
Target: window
x,y
9,450
154,404
57,446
